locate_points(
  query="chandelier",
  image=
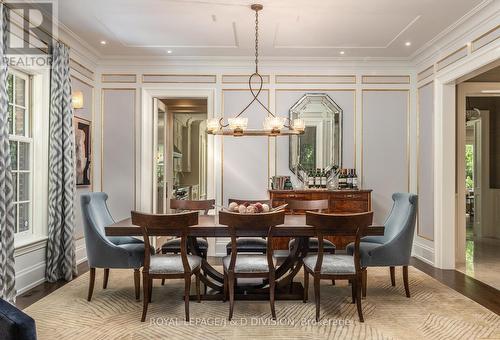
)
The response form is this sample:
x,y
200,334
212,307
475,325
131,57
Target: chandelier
x,y
273,125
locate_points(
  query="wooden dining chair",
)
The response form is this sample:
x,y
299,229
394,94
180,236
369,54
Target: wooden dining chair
x,y
249,265
174,245
181,266
336,267
311,205
249,245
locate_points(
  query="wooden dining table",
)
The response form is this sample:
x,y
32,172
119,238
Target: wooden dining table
x,y
208,226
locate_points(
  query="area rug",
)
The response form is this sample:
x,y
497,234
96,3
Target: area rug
x,y
433,312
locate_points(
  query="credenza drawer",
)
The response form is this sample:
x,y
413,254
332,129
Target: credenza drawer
x,y
350,196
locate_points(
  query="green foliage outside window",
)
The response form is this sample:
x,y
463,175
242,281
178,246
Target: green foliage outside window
x,y
469,166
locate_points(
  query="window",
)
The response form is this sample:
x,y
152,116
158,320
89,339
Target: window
x,y
18,89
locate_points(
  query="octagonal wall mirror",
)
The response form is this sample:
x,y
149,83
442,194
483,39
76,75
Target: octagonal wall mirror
x,y
321,144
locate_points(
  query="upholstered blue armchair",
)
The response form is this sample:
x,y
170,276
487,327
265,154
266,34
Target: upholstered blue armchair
x,y
15,324
107,252
394,248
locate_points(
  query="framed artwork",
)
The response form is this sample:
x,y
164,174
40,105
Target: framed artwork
x,y
83,152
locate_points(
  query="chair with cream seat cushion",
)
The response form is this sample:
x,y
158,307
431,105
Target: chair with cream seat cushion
x,y
336,267
249,266
181,266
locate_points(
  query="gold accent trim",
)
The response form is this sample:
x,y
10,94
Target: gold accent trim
x,y
92,129
449,55
244,75
482,36
118,75
418,160
408,109
425,84
326,90
276,78
178,75
365,77
222,138
419,78
104,89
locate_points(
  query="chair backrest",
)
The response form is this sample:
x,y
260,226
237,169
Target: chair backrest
x,y
339,225
150,223
191,205
265,221
96,217
401,220
307,205
241,201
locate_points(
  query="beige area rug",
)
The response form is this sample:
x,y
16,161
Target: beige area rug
x,y
433,312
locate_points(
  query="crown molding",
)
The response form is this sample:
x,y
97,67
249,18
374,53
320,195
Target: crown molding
x,y
459,33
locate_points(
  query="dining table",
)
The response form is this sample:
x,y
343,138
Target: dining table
x,y
287,269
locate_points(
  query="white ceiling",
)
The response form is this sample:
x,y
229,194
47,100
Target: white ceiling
x,y
288,28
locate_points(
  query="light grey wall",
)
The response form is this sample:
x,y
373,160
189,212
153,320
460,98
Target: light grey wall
x,y
425,227
345,99
245,160
85,113
118,150
385,143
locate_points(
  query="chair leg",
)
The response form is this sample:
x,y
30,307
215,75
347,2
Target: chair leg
x,y
187,288
162,282
353,289
316,295
224,297
357,283
230,284
105,279
393,276
91,284
272,287
405,280
146,292
150,283
364,278
306,286
198,295
137,284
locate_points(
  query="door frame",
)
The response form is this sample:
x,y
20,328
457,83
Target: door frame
x,y
445,148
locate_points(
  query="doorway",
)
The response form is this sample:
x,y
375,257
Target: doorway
x,y
478,177
180,151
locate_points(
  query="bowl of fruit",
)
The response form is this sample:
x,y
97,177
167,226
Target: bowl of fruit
x,y
251,208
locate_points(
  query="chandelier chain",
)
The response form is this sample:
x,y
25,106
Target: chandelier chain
x,y
256,41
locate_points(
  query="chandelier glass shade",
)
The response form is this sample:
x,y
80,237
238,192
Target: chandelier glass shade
x,y
272,125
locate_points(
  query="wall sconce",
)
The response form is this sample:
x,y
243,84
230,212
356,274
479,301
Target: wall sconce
x,y
77,100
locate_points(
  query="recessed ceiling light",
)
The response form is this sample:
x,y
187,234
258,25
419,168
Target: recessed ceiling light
x,y
103,42
169,51
408,43
342,52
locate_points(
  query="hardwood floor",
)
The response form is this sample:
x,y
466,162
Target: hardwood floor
x,y
478,291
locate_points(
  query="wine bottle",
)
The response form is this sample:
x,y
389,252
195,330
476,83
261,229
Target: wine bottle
x,y
342,179
310,179
323,178
317,179
349,179
355,180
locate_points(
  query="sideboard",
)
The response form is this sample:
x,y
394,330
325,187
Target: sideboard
x,y
340,201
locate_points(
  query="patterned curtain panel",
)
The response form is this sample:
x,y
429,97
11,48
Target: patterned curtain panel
x,y
7,222
61,262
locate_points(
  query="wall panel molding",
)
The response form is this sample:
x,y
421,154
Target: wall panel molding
x,y
452,58
81,69
381,79
118,78
485,38
315,79
242,79
180,78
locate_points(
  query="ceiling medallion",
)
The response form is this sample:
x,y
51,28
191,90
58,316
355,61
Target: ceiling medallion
x,y
273,125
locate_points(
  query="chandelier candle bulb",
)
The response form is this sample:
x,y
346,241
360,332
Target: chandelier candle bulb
x,y
299,125
212,125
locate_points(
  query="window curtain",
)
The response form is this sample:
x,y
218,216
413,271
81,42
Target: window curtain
x,y
7,218
61,262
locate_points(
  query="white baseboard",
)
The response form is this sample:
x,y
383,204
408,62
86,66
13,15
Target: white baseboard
x,y
423,252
